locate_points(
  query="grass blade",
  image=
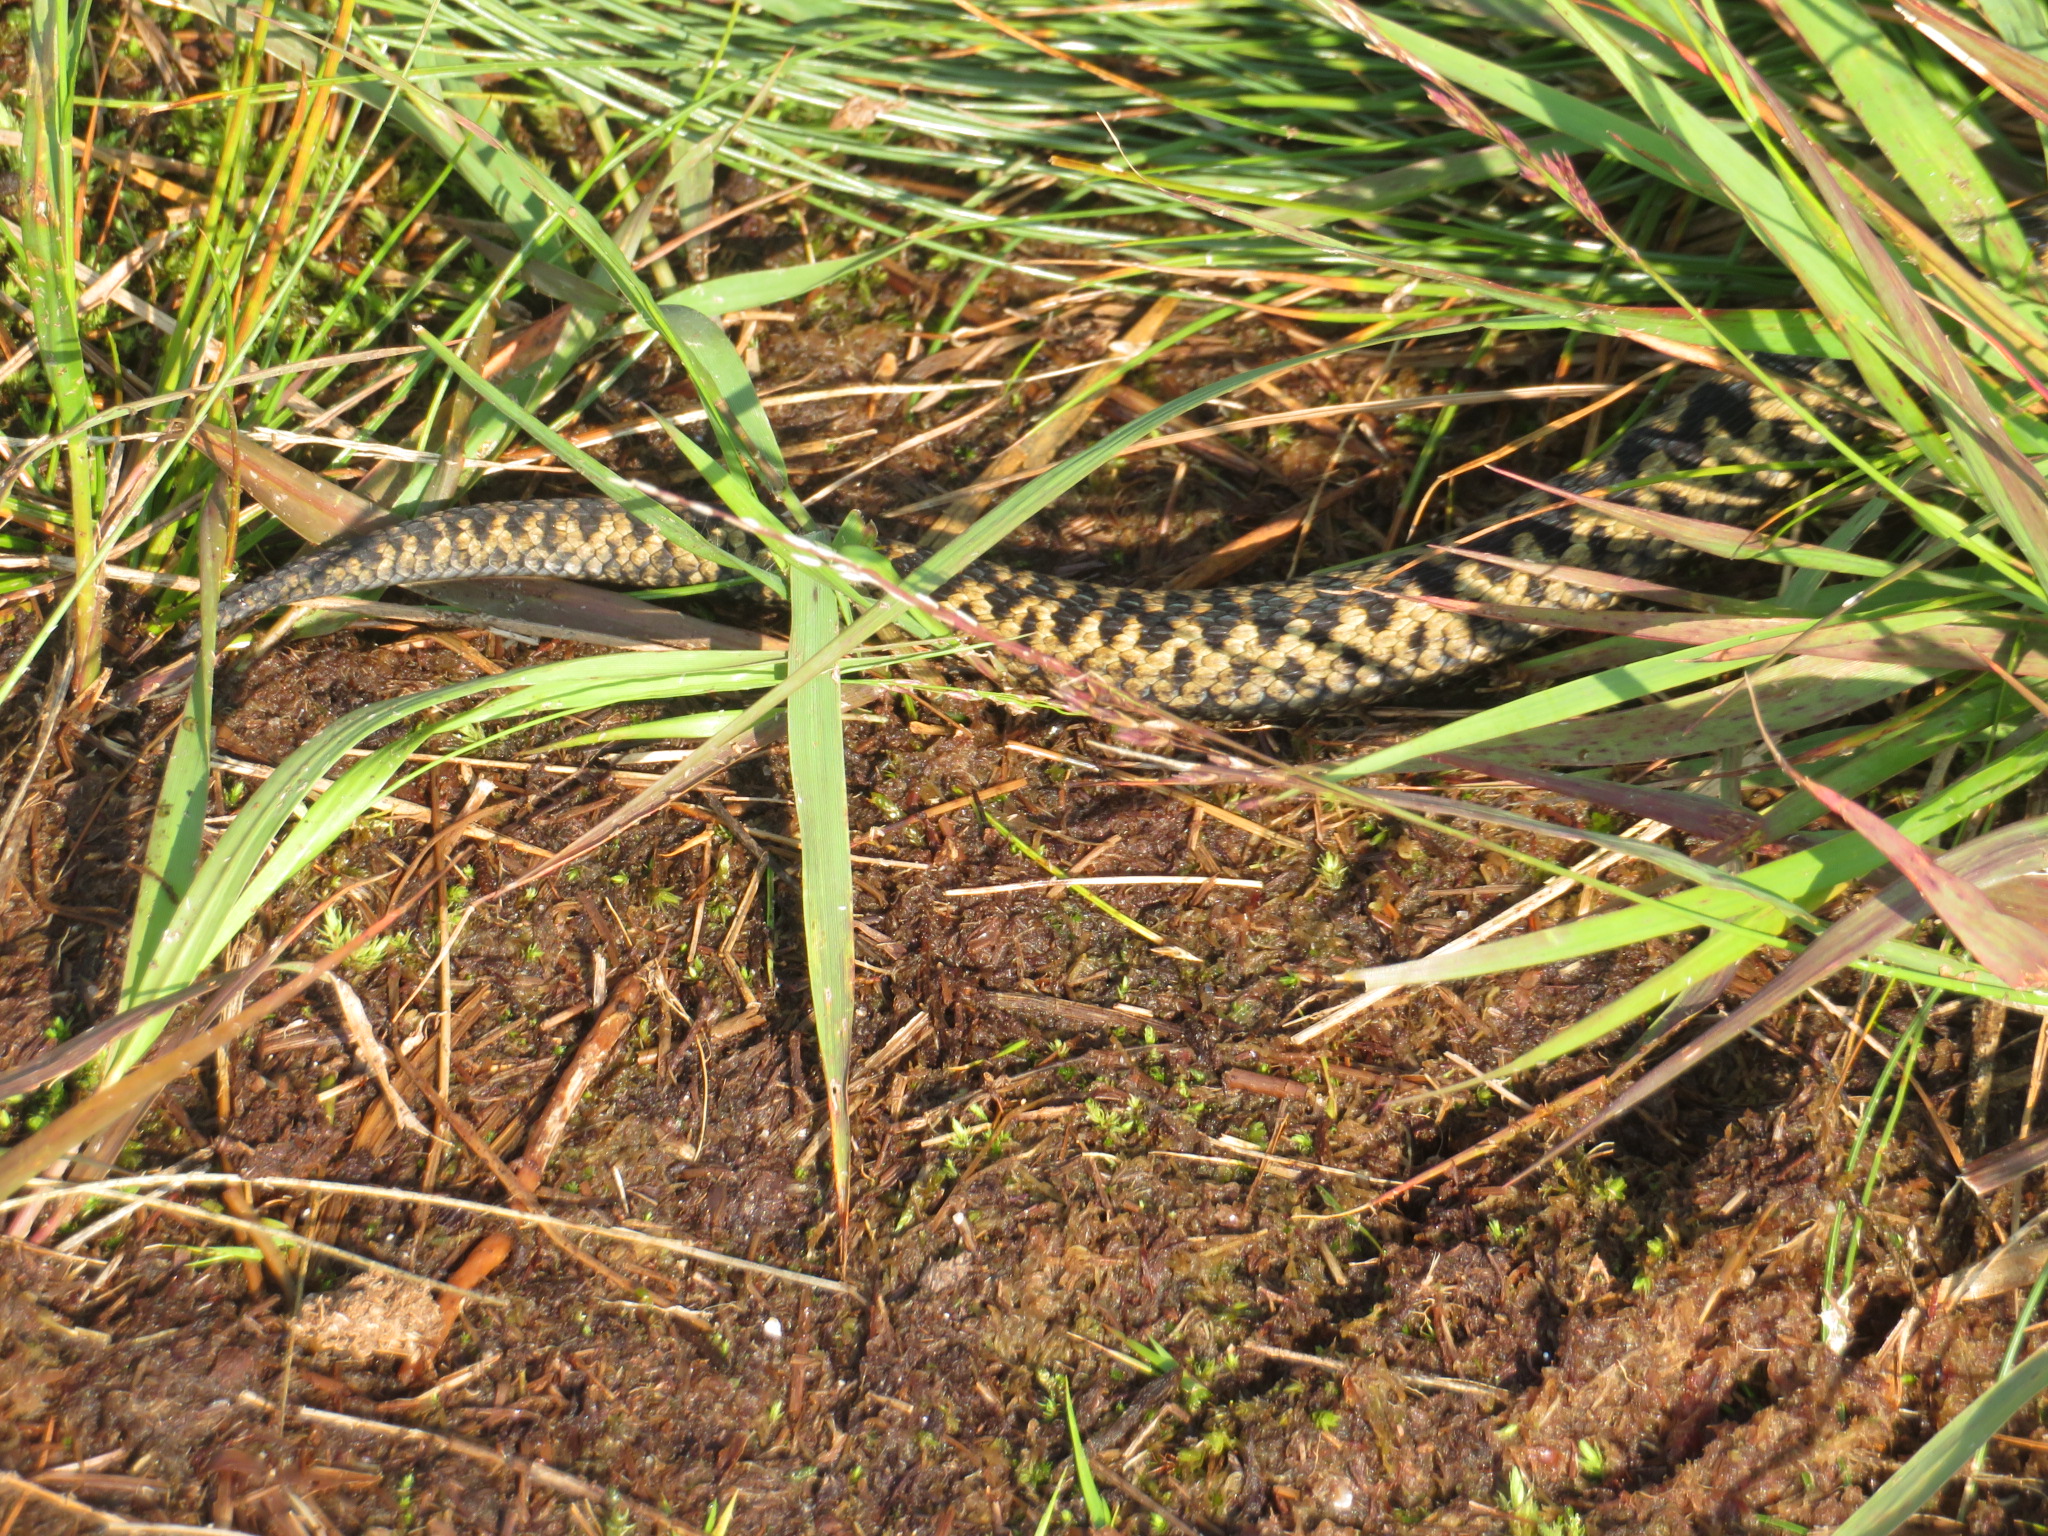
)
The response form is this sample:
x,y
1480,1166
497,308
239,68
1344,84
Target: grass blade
x,y
2001,858
1805,877
1522,725
1700,815
171,862
1917,135
2019,75
1100,1517
817,767
2013,950
1910,1488
1593,126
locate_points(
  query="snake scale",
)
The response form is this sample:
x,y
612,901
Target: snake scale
x,y
1271,651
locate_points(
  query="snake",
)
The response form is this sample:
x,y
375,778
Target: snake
x,y
1727,450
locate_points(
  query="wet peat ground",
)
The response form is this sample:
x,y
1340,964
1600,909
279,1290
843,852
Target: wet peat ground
x,y
1082,1156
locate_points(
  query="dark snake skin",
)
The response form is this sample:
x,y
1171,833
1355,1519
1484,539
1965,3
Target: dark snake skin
x,y
1271,651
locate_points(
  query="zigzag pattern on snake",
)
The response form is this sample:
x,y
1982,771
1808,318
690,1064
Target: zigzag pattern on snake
x,y
1270,651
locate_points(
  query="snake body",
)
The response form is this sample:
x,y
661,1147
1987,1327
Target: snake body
x,y
1269,651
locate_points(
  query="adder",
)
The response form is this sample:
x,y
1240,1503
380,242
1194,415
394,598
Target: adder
x,y
1270,651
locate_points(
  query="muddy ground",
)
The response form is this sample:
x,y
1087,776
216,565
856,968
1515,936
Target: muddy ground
x,y
1083,1157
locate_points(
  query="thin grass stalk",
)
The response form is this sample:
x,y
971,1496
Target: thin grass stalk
x,y
202,284
1897,1077
301,140
324,183
212,276
49,237
1839,1266
315,341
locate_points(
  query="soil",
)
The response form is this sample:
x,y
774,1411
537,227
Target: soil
x,y
1097,1192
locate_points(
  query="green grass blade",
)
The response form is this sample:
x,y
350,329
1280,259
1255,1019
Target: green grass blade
x,y
1567,701
1418,179
1917,134
1806,877
177,833
1642,146
1425,807
817,765
1907,1491
770,285
244,870
1776,206
1100,1516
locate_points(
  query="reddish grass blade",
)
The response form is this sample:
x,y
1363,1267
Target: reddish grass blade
x,y
312,506
2015,74
1689,813
2011,947
1919,640
1990,1173
1995,859
1607,581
